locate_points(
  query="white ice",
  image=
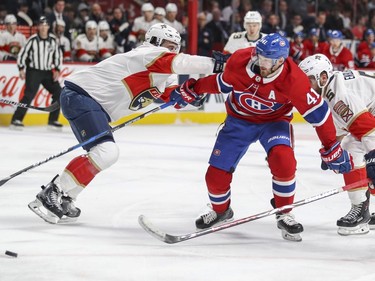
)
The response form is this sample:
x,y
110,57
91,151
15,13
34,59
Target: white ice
x,y
160,174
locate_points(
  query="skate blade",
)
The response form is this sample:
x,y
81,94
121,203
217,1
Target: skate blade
x,y
295,237
37,207
357,230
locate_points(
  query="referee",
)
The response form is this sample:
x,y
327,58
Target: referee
x,y
39,61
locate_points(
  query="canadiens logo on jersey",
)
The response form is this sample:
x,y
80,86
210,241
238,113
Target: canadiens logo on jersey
x,y
144,99
257,105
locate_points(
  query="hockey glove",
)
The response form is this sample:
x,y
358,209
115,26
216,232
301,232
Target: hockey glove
x,y
184,94
220,60
336,159
370,167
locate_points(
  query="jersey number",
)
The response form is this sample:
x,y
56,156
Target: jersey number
x,y
311,99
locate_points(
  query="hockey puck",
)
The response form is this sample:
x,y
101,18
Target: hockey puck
x,y
11,254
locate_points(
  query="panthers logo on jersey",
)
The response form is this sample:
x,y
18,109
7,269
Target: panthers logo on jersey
x,y
144,99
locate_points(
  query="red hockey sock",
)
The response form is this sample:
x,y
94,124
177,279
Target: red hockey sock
x,y
82,170
218,184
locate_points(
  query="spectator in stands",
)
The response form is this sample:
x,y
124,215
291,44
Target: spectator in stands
x,y
360,27
205,37
219,30
284,14
272,24
141,25
87,47
96,14
58,29
363,56
312,44
295,26
11,41
23,14
371,65
339,55
81,19
334,20
297,49
58,13
266,8
159,14
108,40
320,26
39,62
119,19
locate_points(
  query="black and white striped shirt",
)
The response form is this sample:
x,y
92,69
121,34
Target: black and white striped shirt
x,y
41,54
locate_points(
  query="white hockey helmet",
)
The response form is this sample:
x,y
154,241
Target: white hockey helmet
x,y
147,7
252,17
171,7
159,32
315,65
91,24
103,25
9,19
160,11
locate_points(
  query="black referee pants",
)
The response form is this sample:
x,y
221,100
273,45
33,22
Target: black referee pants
x,y
34,78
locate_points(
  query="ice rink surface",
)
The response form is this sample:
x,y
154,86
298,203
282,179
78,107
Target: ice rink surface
x,y
160,174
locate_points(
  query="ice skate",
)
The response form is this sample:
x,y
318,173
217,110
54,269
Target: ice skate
x,y
52,206
371,223
212,218
290,229
356,221
55,126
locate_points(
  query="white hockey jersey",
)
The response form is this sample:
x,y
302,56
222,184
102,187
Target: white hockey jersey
x,y
176,25
65,47
350,94
86,50
11,44
130,81
139,29
238,40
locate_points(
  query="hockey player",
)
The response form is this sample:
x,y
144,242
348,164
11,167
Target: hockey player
x,y
108,39
351,98
141,25
248,38
88,47
11,41
264,85
58,28
107,91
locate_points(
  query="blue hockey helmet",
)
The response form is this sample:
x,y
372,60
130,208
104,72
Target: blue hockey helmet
x,y
273,46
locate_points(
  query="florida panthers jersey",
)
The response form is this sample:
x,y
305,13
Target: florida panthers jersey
x,y
86,50
11,44
351,97
130,81
238,40
259,100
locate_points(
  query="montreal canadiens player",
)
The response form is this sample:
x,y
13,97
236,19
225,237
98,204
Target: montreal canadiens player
x,y
264,85
351,98
107,91
252,23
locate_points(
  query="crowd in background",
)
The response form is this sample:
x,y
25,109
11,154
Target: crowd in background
x,y
89,32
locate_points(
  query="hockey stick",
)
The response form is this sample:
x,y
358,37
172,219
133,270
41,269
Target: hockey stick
x,y
172,239
50,108
90,140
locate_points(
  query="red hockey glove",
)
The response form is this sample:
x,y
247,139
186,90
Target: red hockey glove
x,y
336,159
184,95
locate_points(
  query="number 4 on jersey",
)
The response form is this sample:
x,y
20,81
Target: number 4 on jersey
x,y
312,98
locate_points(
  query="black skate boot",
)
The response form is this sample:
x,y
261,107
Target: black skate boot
x,y
212,218
371,223
356,221
290,229
71,212
52,206
50,199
